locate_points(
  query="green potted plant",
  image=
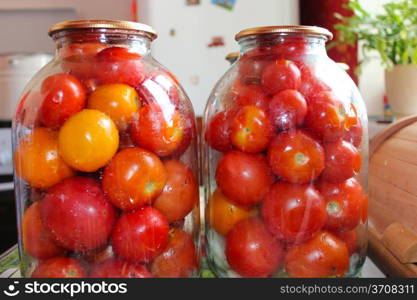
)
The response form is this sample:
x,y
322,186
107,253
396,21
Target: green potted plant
x,y
393,35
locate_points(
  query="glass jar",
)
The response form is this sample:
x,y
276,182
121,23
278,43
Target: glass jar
x,y
105,160
285,161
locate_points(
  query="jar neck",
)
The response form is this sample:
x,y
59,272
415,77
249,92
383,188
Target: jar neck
x,y
311,44
136,42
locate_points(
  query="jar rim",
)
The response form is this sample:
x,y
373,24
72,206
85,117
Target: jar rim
x,y
285,29
104,24
232,55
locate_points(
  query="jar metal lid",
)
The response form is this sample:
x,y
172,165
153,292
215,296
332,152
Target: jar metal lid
x,y
312,30
104,24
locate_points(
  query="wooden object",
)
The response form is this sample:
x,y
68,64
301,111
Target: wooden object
x,y
393,198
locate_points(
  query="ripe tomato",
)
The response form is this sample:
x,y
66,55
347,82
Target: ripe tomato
x,y
344,204
59,267
134,178
343,161
158,129
244,178
218,131
63,95
251,69
81,49
88,140
251,130
287,110
323,256
119,101
326,117
179,259
245,95
36,240
354,134
296,157
223,214
251,250
180,193
310,84
77,215
117,268
141,235
37,159
351,240
160,87
281,75
294,213
119,65
294,48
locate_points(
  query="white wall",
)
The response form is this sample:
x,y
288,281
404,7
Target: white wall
x,y
25,23
371,81
187,55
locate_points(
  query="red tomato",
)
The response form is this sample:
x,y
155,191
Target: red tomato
x,y
158,129
343,161
294,213
294,48
344,204
251,250
63,95
351,240
218,131
354,134
281,75
119,65
323,256
180,193
251,69
244,178
59,267
296,157
134,178
179,257
251,130
141,235
287,110
37,242
246,95
326,117
77,215
81,49
117,268
160,86
310,84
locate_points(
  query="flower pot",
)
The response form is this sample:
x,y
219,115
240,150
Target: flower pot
x,y
401,89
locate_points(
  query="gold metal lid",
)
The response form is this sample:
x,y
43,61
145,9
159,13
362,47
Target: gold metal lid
x,y
232,55
104,24
313,30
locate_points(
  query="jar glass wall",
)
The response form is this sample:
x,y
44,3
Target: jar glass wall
x,y
285,161
105,160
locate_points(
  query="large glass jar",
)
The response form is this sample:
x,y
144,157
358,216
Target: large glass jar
x,y
105,160
285,161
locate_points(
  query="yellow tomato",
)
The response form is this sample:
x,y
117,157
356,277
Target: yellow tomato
x,y
223,214
88,140
119,101
37,160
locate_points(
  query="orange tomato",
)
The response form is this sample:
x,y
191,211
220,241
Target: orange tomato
x,y
118,101
223,214
36,240
88,140
37,160
134,178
